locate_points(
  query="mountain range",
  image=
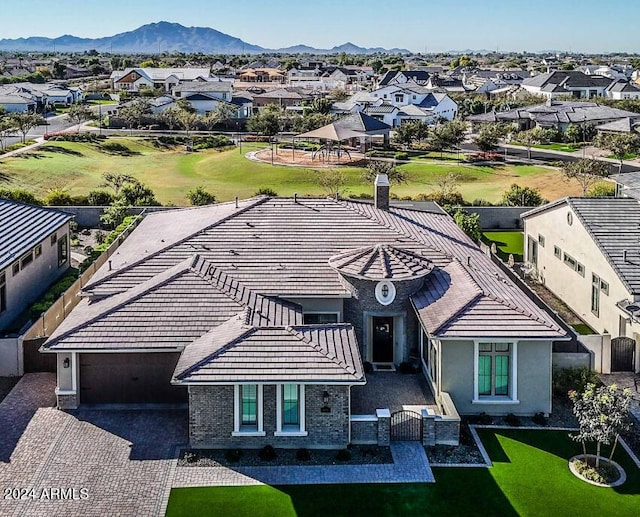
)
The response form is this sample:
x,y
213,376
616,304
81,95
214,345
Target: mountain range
x,y
171,37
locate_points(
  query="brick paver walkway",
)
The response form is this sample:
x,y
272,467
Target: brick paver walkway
x,y
123,462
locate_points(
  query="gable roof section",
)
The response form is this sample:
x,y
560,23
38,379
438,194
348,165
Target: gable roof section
x,y
169,310
236,352
614,225
363,123
23,226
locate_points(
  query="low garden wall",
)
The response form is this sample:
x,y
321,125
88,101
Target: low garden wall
x,y
499,217
364,429
89,216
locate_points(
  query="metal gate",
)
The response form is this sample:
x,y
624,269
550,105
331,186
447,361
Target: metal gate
x,y
406,426
623,354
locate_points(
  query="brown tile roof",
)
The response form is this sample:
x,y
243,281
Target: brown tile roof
x,y
382,261
236,352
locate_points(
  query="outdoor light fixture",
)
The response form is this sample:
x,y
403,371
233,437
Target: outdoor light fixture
x,y
325,397
385,291
66,363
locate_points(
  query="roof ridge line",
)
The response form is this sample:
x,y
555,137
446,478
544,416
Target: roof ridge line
x,y
135,263
520,310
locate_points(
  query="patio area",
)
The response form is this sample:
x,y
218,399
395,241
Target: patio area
x,y
625,380
393,391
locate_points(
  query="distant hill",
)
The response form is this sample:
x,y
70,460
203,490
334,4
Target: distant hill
x,y
170,37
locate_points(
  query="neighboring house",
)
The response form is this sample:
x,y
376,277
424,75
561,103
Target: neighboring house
x,y
420,77
261,314
287,98
34,252
554,114
262,75
17,104
623,125
446,83
567,83
585,251
627,184
623,90
133,79
222,90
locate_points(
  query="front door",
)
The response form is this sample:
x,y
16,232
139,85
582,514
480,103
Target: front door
x,y
382,339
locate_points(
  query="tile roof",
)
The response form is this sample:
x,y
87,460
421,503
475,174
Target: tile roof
x,y
169,310
237,352
23,226
382,261
363,123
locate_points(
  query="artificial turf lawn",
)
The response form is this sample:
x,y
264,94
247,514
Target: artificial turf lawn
x,y
530,477
507,243
582,329
78,168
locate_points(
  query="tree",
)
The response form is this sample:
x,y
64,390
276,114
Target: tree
x,y
79,113
25,122
376,167
170,117
100,198
134,113
572,133
619,145
405,134
266,122
489,136
200,197
115,214
586,171
332,181
7,128
116,181
222,114
188,120
602,414
522,196
20,195
530,138
138,194
468,223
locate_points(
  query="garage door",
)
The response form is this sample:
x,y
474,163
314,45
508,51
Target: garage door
x,y
129,379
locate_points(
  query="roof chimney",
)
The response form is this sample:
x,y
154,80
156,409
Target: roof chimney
x,y
382,192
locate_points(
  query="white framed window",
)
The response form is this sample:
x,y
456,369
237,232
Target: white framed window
x,y
248,410
557,252
541,240
290,410
595,295
495,372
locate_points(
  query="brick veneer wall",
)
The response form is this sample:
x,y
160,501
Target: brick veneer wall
x,y
211,419
364,431
67,401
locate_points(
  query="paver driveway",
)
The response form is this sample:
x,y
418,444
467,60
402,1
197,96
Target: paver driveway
x,y
122,459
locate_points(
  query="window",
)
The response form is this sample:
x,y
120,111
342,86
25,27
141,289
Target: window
x,y
15,268
63,251
38,250
290,409
399,98
595,295
557,252
3,292
54,239
580,269
604,287
495,371
570,261
319,318
26,260
248,410
541,240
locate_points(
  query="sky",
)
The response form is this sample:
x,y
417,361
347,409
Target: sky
x,y
417,25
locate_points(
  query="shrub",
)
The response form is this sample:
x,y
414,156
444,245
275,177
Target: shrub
x,y
22,196
602,189
117,148
74,137
100,198
189,457
481,419
58,198
401,156
266,191
212,142
200,197
233,455
267,453
572,379
303,455
540,419
343,455
512,420
54,292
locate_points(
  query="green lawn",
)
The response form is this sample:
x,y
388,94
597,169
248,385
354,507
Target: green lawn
x,y
530,477
78,167
511,242
628,156
567,148
582,329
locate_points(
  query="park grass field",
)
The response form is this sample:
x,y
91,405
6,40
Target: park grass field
x,y
171,173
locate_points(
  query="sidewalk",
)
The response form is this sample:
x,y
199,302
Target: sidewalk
x,y
39,141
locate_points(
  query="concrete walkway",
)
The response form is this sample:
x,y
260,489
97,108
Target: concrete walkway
x,y
410,465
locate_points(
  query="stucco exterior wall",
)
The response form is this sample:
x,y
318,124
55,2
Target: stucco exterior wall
x,y
321,305
569,285
211,419
29,283
533,378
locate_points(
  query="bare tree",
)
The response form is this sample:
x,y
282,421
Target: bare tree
x,y
585,171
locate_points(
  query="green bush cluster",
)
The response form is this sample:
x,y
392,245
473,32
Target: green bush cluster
x,y
76,137
572,379
101,248
54,292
